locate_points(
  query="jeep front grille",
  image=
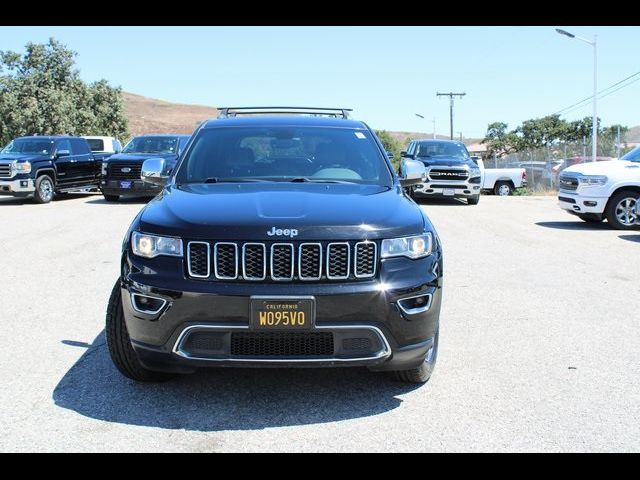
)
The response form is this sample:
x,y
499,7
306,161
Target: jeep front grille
x,y
282,344
282,262
126,171
5,171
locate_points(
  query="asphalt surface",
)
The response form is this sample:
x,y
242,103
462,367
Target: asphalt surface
x,y
539,348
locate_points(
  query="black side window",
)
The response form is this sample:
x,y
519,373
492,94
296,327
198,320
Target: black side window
x,y
79,147
410,149
64,145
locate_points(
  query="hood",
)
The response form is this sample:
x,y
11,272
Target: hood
x,y
445,162
600,168
248,211
141,157
22,158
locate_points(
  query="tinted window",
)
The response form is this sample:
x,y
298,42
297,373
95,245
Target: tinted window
x,y
79,146
442,149
155,144
63,145
633,155
183,143
96,144
29,146
284,153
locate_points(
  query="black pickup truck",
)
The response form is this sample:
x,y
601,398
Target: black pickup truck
x,y
121,172
41,166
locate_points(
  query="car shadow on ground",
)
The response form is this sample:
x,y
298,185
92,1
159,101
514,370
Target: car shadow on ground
x,y
224,398
575,225
630,238
444,202
124,200
29,201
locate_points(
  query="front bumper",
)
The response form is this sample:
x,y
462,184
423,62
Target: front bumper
x,y
137,187
457,190
365,314
17,187
578,203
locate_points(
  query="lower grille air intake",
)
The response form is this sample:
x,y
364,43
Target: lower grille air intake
x,y
282,344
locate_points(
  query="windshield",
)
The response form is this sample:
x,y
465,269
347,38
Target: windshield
x,y
29,146
633,155
152,145
442,149
301,154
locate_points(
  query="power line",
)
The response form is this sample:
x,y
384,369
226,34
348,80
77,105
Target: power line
x,y
584,100
606,94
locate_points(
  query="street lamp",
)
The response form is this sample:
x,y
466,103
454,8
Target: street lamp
x,y
594,141
434,123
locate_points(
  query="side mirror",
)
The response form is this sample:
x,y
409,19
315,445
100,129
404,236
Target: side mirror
x,y
412,172
62,153
390,155
153,171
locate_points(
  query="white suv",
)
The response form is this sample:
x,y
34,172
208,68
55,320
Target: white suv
x,y
598,190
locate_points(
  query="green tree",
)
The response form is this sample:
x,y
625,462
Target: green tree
x,y
391,144
499,141
41,93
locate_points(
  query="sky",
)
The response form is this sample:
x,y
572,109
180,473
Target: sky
x,y
386,74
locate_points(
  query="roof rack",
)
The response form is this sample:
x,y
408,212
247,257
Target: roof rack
x,y
226,112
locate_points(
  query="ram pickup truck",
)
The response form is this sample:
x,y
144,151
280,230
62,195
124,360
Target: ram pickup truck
x,y
596,191
501,181
278,241
450,172
121,171
42,166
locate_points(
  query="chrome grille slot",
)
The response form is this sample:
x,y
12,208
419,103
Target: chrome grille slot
x,y
5,171
254,261
338,261
365,260
282,264
225,263
198,259
310,261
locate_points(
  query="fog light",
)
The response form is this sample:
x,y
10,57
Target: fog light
x,y
590,203
146,304
24,183
414,305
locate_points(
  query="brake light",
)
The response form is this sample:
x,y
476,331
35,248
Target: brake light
x,y
524,175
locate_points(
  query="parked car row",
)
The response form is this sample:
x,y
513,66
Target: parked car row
x,y
40,167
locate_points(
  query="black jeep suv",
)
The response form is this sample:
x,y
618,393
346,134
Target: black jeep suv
x,y
42,166
279,240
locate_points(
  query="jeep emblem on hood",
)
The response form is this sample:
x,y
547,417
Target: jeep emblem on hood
x,y
287,232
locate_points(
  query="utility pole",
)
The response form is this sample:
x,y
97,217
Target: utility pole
x,y
450,95
460,134
618,143
434,128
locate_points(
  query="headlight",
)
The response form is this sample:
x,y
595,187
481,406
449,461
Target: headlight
x,y
150,246
21,167
474,172
592,180
104,168
414,247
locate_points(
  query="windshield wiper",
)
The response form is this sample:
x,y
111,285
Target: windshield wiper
x,y
225,180
317,180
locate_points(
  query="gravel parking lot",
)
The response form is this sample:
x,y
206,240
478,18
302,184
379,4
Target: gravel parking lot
x,y
539,350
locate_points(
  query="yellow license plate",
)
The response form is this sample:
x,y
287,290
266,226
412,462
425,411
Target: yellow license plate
x,y
282,314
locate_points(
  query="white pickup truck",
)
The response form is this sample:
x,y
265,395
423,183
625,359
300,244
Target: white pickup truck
x,y
501,181
596,191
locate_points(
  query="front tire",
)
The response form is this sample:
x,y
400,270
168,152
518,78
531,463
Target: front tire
x,y
620,211
503,189
120,349
422,373
474,200
45,189
111,198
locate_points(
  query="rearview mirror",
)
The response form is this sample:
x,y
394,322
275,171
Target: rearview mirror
x,y
412,172
153,171
63,153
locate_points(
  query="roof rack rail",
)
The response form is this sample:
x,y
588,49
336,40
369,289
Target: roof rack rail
x,y
226,112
